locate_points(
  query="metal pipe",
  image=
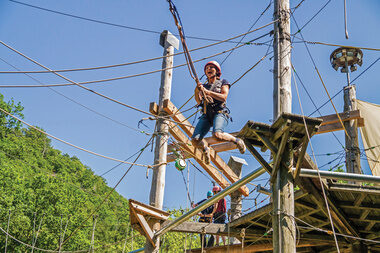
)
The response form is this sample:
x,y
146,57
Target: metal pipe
x,y
254,174
340,176
137,250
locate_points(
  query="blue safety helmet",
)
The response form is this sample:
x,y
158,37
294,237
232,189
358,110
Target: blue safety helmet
x,y
209,194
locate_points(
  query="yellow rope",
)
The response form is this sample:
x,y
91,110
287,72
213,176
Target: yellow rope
x,y
328,94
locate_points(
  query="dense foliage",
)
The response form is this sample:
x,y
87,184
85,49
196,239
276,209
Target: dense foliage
x,y
42,191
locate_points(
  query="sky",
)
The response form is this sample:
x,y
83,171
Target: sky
x,y
64,42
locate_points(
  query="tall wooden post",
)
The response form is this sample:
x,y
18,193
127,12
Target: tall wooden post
x,y
169,42
284,233
352,142
236,165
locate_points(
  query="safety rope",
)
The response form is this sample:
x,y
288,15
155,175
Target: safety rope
x,y
189,61
107,196
75,146
315,160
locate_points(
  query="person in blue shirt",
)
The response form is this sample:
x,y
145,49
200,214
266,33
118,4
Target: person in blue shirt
x,y
215,92
206,216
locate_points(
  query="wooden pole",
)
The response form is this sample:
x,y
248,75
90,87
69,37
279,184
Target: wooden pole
x,y
284,233
352,142
236,165
169,42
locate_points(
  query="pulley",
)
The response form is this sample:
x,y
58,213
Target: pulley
x,y
180,164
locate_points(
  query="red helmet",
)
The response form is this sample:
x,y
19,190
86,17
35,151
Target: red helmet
x,y
216,189
217,66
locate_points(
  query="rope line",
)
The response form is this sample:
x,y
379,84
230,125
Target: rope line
x,y
307,92
76,102
254,23
320,77
74,146
315,161
54,251
120,77
319,11
254,65
372,64
145,60
107,196
108,23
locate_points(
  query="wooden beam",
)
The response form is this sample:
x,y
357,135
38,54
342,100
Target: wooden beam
x,y
237,248
177,116
343,225
364,214
225,146
279,132
197,154
353,188
336,127
301,155
265,210
364,206
145,226
213,229
212,140
305,204
148,210
307,213
278,155
267,142
345,116
258,157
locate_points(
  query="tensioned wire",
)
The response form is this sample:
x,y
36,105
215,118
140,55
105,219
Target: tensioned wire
x,y
107,23
60,251
75,146
78,103
315,161
370,66
129,76
108,195
151,59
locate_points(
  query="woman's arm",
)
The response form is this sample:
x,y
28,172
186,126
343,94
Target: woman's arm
x,y
222,96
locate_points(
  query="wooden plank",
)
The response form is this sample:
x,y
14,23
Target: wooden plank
x,y
267,142
249,248
343,225
145,226
258,157
148,210
198,155
359,200
279,132
355,188
336,127
265,210
301,155
278,155
345,116
212,229
177,116
212,140
225,146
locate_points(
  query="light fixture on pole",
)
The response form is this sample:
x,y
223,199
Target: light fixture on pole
x,y
344,57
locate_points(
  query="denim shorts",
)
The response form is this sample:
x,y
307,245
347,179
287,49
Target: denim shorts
x,y
219,122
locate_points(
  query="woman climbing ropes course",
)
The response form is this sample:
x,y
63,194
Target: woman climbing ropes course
x,y
216,114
